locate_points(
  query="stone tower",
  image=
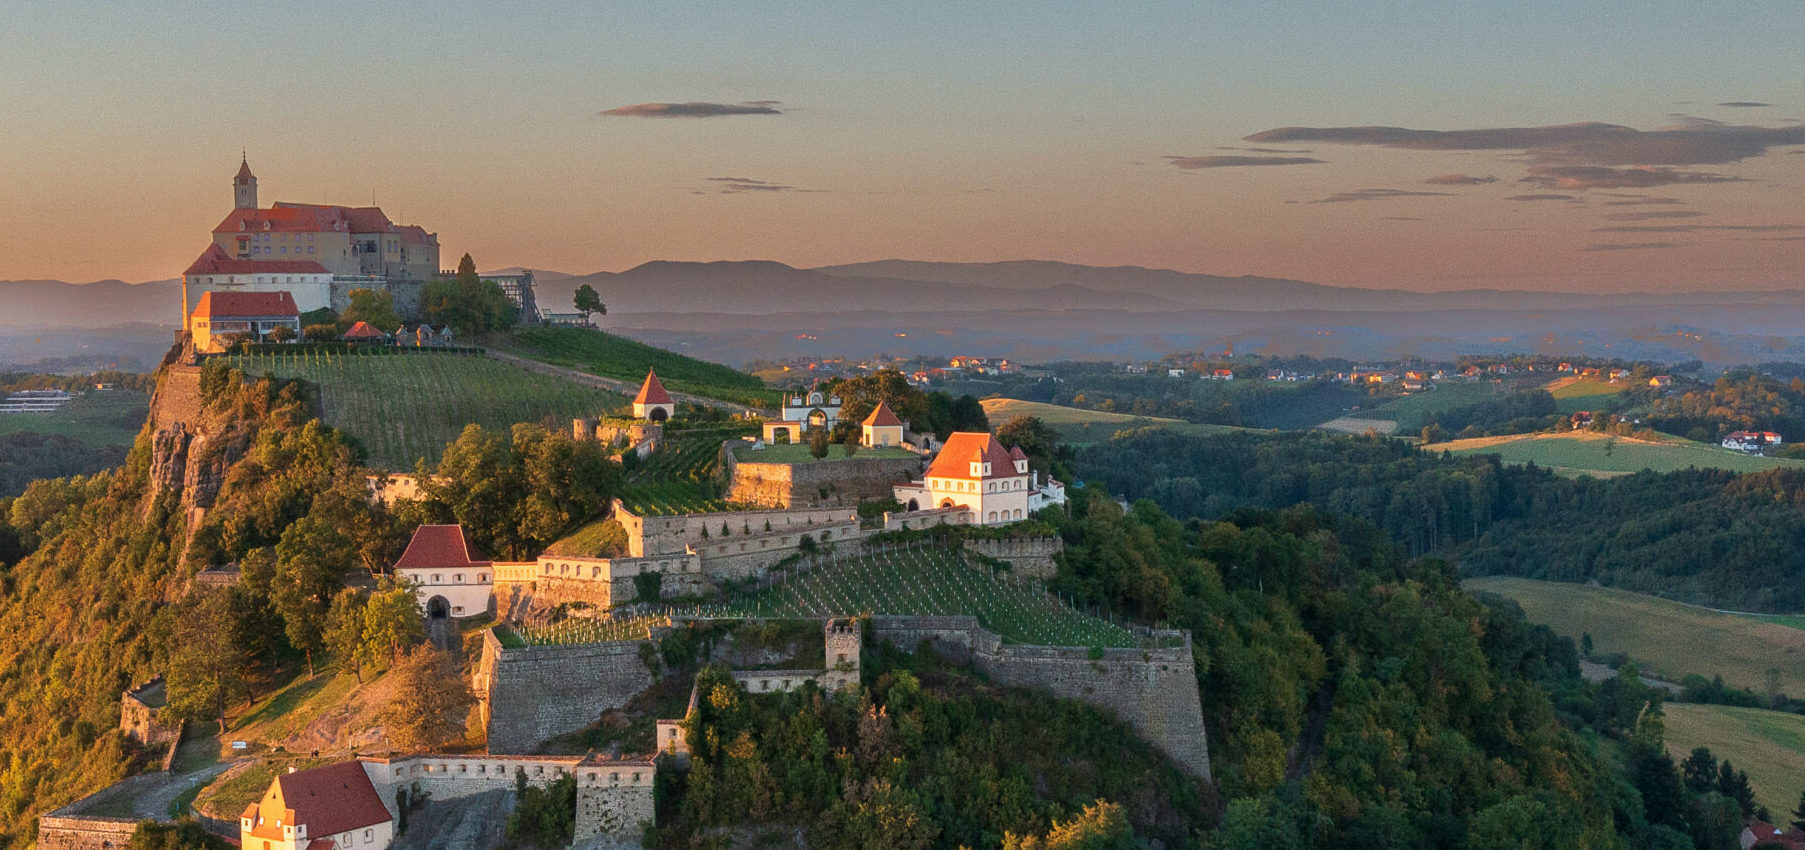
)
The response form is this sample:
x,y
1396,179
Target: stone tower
x,y
244,187
843,639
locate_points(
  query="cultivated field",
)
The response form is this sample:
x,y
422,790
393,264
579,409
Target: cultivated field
x,y
1081,427
101,418
1413,411
1668,639
1360,425
683,476
618,357
404,407
1572,395
924,581
1768,745
1592,453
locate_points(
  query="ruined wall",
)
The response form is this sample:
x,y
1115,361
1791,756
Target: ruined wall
x,y
178,396
84,832
739,556
538,692
1027,556
667,535
614,796
826,483
613,814
1153,690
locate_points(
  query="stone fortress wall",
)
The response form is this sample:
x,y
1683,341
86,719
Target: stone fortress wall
x,y
1153,690
527,695
840,482
1027,556
614,796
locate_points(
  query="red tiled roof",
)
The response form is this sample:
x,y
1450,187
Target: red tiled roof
x,y
964,447
244,171
439,546
882,415
652,391
332,799
358,219
414,234
363,330
244,304
285,217
215,260
1018,454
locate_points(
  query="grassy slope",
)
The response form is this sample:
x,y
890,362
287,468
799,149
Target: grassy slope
x,y
1413,411
1079,426
1769,745
1572,395
618,357
1584,452
403,407
1669,639
110,418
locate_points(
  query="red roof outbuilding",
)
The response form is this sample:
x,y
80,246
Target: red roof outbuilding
x,y
652,391
439,546
965,447
328,800
363,330
246,304
882,415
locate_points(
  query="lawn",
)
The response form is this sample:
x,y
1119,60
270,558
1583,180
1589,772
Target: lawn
x,y
286,712
1668,639
1572,395
1592,453
929,581
799,453
408,406
1413,411
1768,745
618,357
1078,426
97,417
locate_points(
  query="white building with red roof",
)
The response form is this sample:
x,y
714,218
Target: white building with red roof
x,y
882,428
216,271
652,403
975,472
447,575
221,315
335,807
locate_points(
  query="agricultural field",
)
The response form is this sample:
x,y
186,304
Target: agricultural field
x,y
1412,412
1768,745
580,630
683,476
1590,453
618,357
1668,639
408,406
1361,425
96,417
928,581
1572,395
1078,426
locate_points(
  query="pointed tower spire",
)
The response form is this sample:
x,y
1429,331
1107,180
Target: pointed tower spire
x,y
244,186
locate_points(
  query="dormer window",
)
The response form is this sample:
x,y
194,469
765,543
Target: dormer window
x,y
1021,467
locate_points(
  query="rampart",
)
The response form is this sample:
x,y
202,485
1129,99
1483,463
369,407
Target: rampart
x,y
614,796
84,832
831,482
1153,690
671,535
1027,556
529,694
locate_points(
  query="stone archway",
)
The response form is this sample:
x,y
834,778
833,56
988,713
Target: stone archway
x,y
914,506
657,414
438,608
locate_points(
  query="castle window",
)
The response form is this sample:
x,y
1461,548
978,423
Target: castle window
x,y
635,777
613,777
435,578
458,578
482,577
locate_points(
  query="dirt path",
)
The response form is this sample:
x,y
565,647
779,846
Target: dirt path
x,y
153,798
627,388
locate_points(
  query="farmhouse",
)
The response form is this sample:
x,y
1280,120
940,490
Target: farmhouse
x,y
1751,441
222,315
975,472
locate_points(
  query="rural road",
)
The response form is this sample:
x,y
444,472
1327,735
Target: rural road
x,y
154,799
627,388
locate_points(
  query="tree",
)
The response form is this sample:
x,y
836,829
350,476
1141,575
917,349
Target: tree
x,y
851,442
968,415
310,568
186,834
1034,437
345,630
1432,433
1102,826
431,699
206,663
375,308
391,623
817,443
1700,771
544,817
320,333
470,305
1798,814
282,333
588,301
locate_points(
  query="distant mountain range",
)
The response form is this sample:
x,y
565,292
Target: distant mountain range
x,y
1034,310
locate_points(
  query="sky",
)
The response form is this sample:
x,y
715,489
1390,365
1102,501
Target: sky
x,y
1425,145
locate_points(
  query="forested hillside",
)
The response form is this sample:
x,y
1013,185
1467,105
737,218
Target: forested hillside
x,y
1704,536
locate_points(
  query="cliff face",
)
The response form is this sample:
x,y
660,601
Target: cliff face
x,y
191,448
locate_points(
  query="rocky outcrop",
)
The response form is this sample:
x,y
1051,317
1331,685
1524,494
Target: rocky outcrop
x,y
169,458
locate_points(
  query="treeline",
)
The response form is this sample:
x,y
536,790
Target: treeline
x,y
136,381
1703,536
1250,401
25,458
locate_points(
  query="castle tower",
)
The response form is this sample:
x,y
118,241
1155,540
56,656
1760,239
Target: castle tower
x,y
244,187
843,644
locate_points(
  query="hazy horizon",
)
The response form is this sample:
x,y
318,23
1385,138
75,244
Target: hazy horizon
x,y
1561,147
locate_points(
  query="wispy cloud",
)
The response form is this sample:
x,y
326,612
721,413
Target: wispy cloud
x,y
1375,195
1640,201
694,109
1459,180
1632,246
1651,216
1541,197
1193,163
746,186
1745,104
1700,228
1694,142
1601,177
1260,150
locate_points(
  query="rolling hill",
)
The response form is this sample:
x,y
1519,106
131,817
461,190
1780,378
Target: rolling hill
x,y
1591,453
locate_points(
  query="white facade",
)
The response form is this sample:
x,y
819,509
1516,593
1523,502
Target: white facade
x,y
461,591
311,290
975,472
815,410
